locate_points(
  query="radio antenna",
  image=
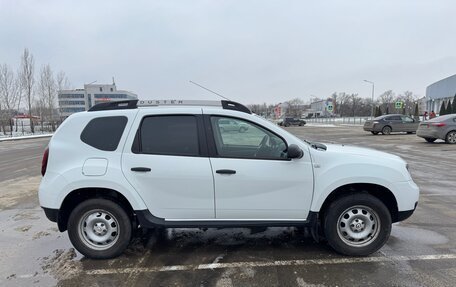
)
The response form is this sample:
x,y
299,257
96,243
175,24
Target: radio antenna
x,y
202,87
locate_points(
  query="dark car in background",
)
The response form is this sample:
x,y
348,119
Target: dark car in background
x,y
387,124
286,122
443,127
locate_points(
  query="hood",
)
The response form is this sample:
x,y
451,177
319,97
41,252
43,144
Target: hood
x,y
367,152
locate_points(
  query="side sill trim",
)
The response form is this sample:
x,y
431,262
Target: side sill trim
x,y
148,220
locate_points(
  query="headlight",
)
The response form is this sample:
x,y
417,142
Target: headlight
x,y
375,123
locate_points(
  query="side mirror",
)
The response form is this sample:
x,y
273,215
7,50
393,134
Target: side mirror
x,y
294,151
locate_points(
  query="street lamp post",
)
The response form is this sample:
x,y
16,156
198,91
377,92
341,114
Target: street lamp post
x,y
373,89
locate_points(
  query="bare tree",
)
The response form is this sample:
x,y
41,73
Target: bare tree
x,y
387,97
62,81
295,107
48,92
27,80
9,93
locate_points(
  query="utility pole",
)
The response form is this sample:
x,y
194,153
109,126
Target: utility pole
x,y
373,88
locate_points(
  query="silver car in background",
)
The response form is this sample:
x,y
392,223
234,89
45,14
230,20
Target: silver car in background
x,y
443,127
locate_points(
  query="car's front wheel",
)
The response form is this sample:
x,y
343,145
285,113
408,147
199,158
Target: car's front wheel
x,y
357,224
99,228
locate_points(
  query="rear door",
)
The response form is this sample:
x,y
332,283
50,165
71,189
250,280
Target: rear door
x,y
395,122
167,163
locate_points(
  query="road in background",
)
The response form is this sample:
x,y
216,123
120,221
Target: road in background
x,y
420,252
21,158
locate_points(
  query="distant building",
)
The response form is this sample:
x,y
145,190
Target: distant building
x,y
79,100
280,110
438,92
322,108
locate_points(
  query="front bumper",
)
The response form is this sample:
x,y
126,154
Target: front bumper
x,y
51,214
403,215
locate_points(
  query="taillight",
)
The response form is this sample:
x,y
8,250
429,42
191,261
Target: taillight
x,y
439,124
44,162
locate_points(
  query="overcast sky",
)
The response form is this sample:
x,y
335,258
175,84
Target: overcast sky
x,y
249,51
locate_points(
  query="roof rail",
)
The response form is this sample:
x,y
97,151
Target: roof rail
x,y
133,104
115,105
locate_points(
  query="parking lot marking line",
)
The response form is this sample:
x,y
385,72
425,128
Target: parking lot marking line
x,y
276,263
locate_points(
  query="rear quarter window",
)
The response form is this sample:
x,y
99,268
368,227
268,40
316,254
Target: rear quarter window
x,y
104,133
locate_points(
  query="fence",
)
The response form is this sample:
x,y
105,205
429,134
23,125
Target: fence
x,y
341,120
22,128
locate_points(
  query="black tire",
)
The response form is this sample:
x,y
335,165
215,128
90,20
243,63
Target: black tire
x,y
450,138
376,220
386,130
409,133
112,220
374,133
430,140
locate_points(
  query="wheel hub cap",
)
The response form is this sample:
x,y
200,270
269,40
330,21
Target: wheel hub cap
x,y
358,226
99,229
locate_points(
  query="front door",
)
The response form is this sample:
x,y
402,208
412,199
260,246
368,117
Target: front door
x,y
254,179
167,168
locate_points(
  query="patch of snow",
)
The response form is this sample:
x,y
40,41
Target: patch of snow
x,y
9,138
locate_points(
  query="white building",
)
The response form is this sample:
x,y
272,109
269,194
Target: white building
x,y
322,108
438,92
73,101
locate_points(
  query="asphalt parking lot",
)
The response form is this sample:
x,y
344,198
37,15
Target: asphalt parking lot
x,y
420,252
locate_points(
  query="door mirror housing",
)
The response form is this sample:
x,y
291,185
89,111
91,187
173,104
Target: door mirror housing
x,y
294,151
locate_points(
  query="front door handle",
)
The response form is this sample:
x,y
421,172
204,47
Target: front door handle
x,y
226,171
141,169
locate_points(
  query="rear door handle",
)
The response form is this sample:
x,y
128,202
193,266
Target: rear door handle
x,y
226,171
141,169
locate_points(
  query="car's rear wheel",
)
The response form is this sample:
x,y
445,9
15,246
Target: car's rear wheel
x,y
430,140
357,224
99,228
451,137
374,133
386,130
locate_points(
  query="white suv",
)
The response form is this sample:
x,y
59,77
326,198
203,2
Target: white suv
x,y
129,164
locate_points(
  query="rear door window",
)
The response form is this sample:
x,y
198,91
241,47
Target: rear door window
x,y
104,133
169,135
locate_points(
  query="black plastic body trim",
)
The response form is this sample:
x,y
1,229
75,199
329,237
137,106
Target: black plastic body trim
x,y
229,105
403,215
148,220
51,214
115,105
133,104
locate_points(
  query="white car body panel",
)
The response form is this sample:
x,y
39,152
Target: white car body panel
x,y
177,187
185,188
67,155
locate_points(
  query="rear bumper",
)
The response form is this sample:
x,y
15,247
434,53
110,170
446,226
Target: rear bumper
x,y
428,133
